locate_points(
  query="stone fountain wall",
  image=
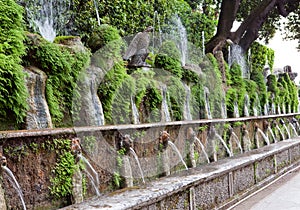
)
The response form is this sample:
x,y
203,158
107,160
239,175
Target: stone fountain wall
x,y
33,164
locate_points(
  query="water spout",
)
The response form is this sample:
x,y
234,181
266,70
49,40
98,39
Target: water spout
x,y
286,129
236,139
97,12
138,163
280,132
12,179
173,146
203,149
164,106
224,144
266,139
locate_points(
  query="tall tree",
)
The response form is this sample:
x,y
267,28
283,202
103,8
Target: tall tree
x,y
253,16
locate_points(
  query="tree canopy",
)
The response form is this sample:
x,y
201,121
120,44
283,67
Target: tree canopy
x,y
258,18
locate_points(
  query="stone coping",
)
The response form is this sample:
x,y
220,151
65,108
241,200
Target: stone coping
x,y
141,196
74,130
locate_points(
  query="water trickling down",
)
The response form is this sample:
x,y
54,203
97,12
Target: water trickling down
x,y
224,144
272,134
246,105
206,104
266,139
236,55
157,34
186,109
164,106
135,112
237,141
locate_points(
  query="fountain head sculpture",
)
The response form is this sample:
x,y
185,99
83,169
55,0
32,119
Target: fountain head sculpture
x,y
137,51
76,148
3,161
164,137
256,126
212,132
125,142
265,124
281,121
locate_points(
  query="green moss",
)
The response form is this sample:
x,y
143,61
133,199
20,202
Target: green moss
x,y
168,63
176,94
101,36
258,78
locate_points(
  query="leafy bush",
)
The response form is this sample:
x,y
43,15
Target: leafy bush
x,y
13,92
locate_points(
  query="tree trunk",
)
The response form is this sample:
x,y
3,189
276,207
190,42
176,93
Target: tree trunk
x,y
247,33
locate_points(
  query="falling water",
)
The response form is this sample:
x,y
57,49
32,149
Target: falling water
x,y
179,36
203,43
98,110
224,144
97,12
280,132
178,153
48,16
266,139
272,134
15,184
266,108
283,109
156,27
164,106
93,178
278,109
236,138
138,163
273,108
236,55
187,110
236,110
135,112
223,109
246,105
293,129
206,104
203,149
287,131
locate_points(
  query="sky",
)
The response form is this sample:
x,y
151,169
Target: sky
x,y
286,54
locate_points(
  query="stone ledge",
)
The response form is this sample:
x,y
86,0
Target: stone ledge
x,y
214,180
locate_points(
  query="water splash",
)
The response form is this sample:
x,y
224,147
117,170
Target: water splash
x,y
187,110
48,17
15,184
224,144
179,36
237,141
94,176
173,146
156,27
135,112
138,162
266,139
203,149
206,104
236,55
286,129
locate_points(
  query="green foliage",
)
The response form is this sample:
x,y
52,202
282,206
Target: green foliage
x,y
13,92
258,78
62,66
108,89
61,183
261,56
168,63
62,172
237,90
176,94
169,48
101,36
287,92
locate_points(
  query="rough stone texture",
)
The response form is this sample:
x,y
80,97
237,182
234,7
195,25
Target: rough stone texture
x,y
282,159
243,179
264,168
294,153
212,193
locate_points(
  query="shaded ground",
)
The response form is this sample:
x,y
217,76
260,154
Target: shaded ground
x,y
283,194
